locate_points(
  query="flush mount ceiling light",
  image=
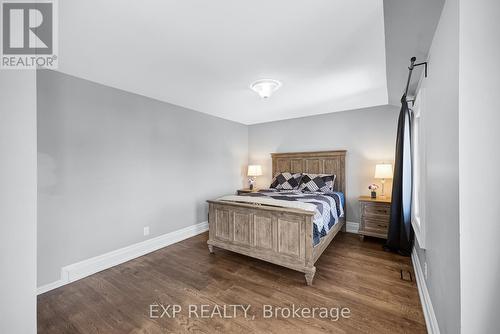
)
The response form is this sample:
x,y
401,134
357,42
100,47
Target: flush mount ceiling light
x,y
265,87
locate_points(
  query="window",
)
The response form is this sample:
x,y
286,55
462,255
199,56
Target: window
x,y
418,171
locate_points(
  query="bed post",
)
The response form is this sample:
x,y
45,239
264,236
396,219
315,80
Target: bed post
x,y
309,268
211,223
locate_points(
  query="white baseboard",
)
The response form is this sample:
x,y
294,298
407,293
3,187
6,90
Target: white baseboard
x,y
425,299
352,227
50,286
79,270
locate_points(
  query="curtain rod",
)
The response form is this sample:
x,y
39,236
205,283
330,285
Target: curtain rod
x,y
410,68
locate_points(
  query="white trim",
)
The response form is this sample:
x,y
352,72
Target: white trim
x,y
425,298
50,286
79,270
419,223
352,227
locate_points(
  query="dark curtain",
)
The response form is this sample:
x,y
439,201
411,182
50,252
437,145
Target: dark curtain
x,y
400,236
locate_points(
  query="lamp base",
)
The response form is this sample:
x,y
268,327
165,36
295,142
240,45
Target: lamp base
x,y
383,190
251,181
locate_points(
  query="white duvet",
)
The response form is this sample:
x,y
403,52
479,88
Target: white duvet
x,y
269,201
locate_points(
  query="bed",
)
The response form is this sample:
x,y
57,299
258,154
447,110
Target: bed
x,y
282,228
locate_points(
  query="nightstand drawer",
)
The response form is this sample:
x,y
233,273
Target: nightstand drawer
x,y
377,217
376,209
376,223
382,233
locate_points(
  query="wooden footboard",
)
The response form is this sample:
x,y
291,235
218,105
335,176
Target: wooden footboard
x,y
278,235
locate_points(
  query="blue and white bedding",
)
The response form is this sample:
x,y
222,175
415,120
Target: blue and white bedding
x,y
328,207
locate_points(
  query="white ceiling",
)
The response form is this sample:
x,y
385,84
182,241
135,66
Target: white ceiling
x,y
203,55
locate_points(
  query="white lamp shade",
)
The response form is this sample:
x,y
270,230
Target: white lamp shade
x,y
254,170
383,171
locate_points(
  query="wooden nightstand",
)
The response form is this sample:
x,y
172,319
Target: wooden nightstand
x,y
246,191
375,214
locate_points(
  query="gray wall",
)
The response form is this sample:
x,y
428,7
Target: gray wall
x,y
479,161
368,134
440,116
112,162
17,202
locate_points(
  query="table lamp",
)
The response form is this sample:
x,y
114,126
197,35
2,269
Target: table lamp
x,y
383,172
253,171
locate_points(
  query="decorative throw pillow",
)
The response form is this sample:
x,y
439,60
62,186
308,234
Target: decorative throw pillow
x,y
286,181
317,182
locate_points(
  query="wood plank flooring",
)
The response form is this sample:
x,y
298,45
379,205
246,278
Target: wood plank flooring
x,y
350,274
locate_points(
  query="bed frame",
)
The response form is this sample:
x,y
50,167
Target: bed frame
x,y
283,236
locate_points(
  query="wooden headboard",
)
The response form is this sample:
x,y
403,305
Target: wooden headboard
x,y
324,162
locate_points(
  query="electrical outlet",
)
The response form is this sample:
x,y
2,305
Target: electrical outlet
x,y
425,270
146,230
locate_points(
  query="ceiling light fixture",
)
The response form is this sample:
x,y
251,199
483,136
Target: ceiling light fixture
x,y
265,87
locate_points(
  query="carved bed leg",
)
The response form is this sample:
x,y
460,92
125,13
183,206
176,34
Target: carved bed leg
x,y
211,249
310,275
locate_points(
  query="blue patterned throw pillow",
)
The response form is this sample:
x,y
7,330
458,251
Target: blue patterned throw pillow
x,y
317,182
286,181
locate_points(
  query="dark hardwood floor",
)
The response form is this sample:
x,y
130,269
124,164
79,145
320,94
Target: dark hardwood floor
x,y
350,274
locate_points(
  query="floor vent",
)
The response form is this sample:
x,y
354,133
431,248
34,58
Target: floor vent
x,y
406,275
